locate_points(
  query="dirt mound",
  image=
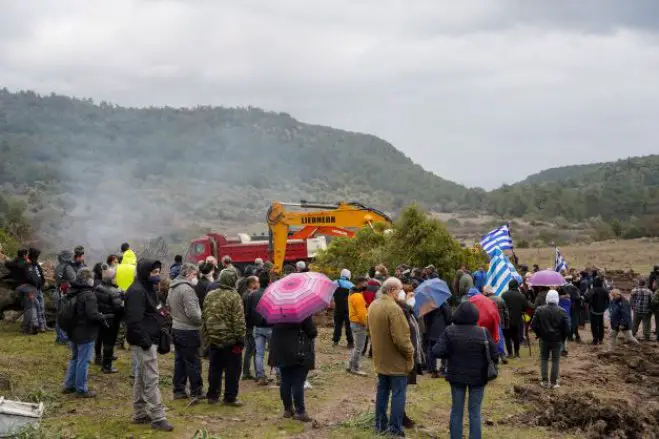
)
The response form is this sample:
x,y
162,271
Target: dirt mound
x,y
594,417
637,365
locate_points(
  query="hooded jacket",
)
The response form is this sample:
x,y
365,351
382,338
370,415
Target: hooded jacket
x,y
183,305
223,316
462,344
488,313
480,280
65,275
598,297
144,313
87,314
126,270
550,323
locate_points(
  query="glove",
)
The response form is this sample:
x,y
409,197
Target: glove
x,y
237,349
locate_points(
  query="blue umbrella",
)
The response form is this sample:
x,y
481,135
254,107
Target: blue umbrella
x,y
430,295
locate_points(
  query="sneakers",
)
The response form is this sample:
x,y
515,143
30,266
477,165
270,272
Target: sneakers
x,y
555,386
144,420
70,391
262,381
162,425
109,370
307,385
544,384
179,396
302,417
354,372
86,395
288,414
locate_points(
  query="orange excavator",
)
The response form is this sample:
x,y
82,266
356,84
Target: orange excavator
x,y
319,219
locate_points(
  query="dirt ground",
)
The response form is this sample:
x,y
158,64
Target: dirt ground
x,y
603,395
639,255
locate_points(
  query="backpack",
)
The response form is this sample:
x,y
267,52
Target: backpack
x,y
62,284
67,313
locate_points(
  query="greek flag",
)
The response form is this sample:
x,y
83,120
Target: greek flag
x,y
500,238
501,272
560,263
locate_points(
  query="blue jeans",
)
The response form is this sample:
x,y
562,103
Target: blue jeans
x,y
76,375
261,339
41,309
396,386
458,394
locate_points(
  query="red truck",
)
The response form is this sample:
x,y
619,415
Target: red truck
x,y
244,249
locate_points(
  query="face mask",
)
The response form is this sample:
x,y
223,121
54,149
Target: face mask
x,y
402,296
155,279
411,302
194,281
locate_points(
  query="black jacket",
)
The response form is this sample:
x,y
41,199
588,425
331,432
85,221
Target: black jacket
x,y
517,304
202,290
463,345
143,311
88,317
341,300
110,302
436,322
550,323
17,271
576,299
292,344
253,318
599,300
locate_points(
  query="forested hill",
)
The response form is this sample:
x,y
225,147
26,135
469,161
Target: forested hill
x,y
97,172
90,167
245,147
615,190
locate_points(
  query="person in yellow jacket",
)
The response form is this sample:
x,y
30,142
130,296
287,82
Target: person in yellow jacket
x,y
358,320
126,270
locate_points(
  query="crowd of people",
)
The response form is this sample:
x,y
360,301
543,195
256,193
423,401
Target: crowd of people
x,y
209,310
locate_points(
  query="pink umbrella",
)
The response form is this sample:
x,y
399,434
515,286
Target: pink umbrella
x,y
546,278
296,297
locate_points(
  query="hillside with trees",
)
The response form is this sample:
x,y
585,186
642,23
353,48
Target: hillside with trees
x,y
101,173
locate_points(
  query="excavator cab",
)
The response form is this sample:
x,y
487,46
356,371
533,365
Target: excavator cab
x,y
317,219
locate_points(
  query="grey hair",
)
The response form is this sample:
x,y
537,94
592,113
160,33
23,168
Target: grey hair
x,y
227,260
391,284
188,268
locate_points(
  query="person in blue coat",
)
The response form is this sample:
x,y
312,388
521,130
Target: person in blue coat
x,y
620,312
480,278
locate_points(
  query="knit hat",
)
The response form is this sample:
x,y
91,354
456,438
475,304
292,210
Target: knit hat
x,y
552,297
345,273
301,265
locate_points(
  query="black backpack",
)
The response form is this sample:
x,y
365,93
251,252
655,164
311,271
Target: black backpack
x,y
68,312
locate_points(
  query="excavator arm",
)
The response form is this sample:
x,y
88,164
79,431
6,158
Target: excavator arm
x,y
329,219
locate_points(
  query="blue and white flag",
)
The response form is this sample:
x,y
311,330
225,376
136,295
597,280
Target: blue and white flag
x,y
497,238
560,263
501,272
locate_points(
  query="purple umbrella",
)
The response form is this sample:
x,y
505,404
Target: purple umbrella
x,y
546,278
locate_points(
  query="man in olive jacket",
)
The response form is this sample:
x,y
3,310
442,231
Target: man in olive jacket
x,y
393,356
223,331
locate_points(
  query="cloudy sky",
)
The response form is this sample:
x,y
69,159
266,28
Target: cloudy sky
x,y
479,91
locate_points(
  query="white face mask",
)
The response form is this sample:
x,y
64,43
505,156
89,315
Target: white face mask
x,y
411,302
401,295
194,281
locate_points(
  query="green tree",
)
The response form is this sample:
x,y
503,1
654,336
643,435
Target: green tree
x,y
616,228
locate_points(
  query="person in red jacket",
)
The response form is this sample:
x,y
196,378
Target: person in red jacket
x,y
488,313
372,288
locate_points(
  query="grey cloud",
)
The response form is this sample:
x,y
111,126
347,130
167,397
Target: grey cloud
x,y
501,89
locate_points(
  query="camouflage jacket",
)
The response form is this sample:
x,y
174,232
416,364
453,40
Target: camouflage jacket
x,y
223,319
